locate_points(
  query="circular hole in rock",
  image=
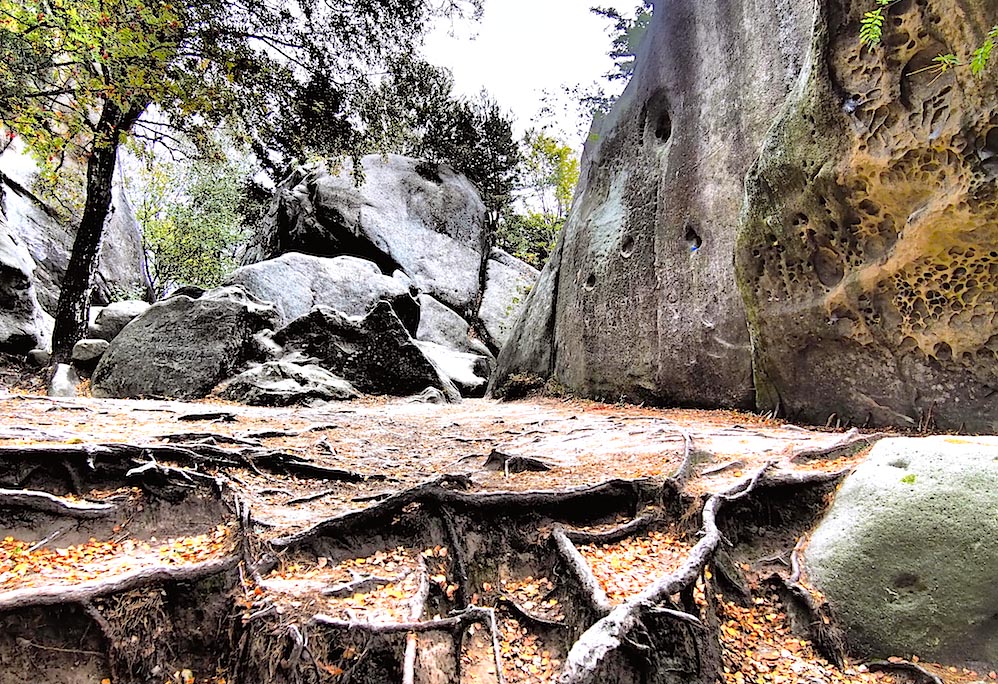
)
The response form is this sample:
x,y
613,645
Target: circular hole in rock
x,y
663,128
627,247
590,283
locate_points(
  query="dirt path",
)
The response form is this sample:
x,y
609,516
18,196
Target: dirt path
x,y
386,541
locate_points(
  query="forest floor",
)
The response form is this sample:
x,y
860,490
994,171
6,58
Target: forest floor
x,y
382,540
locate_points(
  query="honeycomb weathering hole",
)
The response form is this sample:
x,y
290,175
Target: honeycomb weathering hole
x,y
627,247
663,129
590,284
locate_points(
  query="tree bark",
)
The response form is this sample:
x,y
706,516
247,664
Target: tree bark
x,y
73,310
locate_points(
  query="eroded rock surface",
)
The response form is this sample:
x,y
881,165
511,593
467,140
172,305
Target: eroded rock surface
x,y
906,554
183,347
640,298
867,257
375,353
282,383
422,218
296,283
23,324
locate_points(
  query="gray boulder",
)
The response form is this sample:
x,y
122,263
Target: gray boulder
x,y
508,281
49,237
65,383
425,219
907,556
86,353
468,372
23,324
282,383
375,353
296,283
442,325
183,347
112,319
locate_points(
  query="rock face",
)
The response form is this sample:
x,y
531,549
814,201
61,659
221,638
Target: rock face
x,y
23,324
111,319
906,554
468,372
49,239
508,281
775,217
375,353
867,256
183,347
295,283
424,219
640,299
442,325
282,383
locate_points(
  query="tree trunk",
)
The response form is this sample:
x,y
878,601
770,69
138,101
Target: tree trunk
x,y
73,309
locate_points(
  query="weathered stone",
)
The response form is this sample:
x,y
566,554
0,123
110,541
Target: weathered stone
x,y
111,319
49,237
442,325
867,257
508,281
282,383
425,219
641,300
296,283
183,347
906,555
65,383
375,353
430,395
468,372
40,357
86,353
23,324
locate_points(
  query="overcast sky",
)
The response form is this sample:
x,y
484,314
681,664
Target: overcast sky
x,y
522,47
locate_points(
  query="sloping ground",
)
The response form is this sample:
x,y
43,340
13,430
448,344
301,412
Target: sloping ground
x,y
399,542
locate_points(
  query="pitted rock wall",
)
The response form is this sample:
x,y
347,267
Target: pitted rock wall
x,y
869,252
640,299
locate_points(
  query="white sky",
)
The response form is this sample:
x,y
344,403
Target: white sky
x,y
522,47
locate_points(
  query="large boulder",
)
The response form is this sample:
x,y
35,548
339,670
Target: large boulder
x,y
283,383
507,283
423,218
296,283
640,299
442,325
23,324
907,556
374,353
867,256
183,347
111,319
468,372
48,236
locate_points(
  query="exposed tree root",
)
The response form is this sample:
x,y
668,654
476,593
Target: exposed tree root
x,y
88,590
628,529
850,443
577,566
919,673
49,503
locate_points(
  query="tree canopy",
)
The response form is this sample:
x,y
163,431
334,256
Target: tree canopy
x,y
76,76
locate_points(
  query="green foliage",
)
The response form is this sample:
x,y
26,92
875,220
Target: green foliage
x,y
871,29
871,33
549,172
529,236
191,221
908,479
980,57
627,34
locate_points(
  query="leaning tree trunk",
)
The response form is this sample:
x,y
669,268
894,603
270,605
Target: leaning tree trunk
x,y
73,310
